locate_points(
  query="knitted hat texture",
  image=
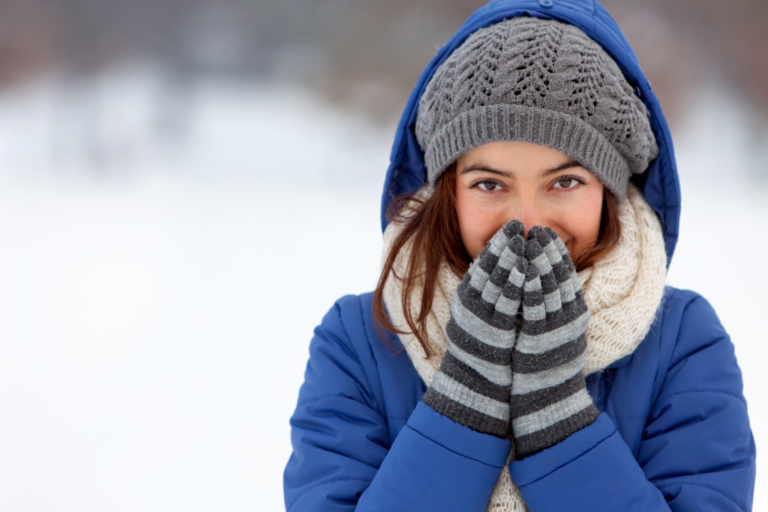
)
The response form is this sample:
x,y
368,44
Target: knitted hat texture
x,y
539,81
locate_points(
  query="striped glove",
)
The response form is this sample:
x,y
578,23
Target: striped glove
x,y
549,397
472,385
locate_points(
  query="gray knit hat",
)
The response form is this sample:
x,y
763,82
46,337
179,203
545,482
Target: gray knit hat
x,y
540,81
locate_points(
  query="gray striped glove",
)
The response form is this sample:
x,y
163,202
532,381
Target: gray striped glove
x,y
472,385
549,396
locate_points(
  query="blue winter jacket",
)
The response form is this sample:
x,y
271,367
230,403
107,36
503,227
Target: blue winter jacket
x,y
673,434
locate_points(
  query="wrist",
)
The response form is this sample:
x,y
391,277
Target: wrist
x,y
467,407
553,423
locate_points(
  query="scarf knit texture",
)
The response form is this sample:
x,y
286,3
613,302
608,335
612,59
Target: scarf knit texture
x,y
623,292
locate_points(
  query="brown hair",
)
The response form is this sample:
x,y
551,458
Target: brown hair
x,y
433,225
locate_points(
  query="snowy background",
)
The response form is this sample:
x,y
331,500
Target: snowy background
x,y
166,251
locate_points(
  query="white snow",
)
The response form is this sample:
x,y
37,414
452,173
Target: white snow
x,y
166,251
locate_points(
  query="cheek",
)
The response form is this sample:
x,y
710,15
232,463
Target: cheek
x,y
478,222
582,224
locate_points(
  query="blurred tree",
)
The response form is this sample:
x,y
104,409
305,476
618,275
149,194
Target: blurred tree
x,y
366,53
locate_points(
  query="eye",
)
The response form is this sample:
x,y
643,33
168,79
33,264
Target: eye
x,y
568,182
487,185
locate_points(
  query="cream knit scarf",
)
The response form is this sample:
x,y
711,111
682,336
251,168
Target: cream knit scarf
x,y
623,292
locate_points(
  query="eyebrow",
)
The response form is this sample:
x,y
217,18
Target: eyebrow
x,y
566,165
484,168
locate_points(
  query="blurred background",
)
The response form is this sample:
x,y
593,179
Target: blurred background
x,y
186,187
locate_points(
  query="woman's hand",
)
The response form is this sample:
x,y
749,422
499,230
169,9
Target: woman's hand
x,y
549,400
472,386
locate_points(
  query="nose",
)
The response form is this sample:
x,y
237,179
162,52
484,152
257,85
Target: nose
x,y
529,212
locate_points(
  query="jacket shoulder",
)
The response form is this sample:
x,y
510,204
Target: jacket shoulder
x,y
695,347
347,323
681,295
348,320
684,309
346,347
680,312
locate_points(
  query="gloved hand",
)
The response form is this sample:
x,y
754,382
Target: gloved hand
x,y
472,384
549,400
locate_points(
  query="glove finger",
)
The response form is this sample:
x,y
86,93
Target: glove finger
x,y
534,252
480,270
498,278
560,266
517,244
476,307
508,303
561,248
550,288
534,313
546,237
514,228
564,271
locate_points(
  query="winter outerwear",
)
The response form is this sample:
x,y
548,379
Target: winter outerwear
x,y
673,433
549,400
539,81
473,383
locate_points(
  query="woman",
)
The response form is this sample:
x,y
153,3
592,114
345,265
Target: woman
x,y
521,349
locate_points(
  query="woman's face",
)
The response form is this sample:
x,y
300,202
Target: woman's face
x,y
502,181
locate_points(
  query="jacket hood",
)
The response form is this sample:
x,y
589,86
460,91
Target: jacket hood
x,y
660,184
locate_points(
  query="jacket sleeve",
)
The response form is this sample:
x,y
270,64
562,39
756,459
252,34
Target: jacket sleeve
x,y
343,458
696,453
